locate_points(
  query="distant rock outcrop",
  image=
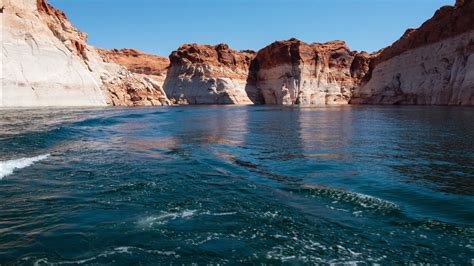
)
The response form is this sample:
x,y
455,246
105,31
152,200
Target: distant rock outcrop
x,y
47,62
148,68
152,66
431,65
204,74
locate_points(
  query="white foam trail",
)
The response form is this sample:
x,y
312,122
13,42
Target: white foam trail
x,y
8,167
166,217
362,200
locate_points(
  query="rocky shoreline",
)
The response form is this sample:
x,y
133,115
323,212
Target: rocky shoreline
x,y
46,61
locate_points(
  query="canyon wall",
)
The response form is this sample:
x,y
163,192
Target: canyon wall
x,y
431,65
293,72
204,74
285,72
47,62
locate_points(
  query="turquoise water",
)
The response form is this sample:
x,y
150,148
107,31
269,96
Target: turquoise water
x,y
237,185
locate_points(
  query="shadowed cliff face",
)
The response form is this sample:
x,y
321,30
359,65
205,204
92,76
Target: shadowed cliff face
x,y
204,74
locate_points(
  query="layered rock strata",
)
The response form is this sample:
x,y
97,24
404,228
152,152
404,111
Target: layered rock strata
x,y
204,74
146,84
293,72
431,65
47,62
152,66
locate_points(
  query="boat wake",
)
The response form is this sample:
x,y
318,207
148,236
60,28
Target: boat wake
x,y
165,217
8,167
346,197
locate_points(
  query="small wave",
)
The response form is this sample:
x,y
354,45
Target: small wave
x,y
105,254
219,214
359,199
165,217
431,225
8,167
98,121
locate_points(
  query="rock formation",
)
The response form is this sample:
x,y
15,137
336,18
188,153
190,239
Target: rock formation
x,y
431,65
204,74
149,76
145,65
293,72
47,62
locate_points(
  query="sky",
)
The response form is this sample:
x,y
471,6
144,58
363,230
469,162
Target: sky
x,y
161,26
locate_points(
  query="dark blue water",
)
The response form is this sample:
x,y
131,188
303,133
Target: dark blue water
x,y
237,185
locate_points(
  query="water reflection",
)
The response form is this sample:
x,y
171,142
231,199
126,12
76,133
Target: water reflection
x,y
432,145
256,184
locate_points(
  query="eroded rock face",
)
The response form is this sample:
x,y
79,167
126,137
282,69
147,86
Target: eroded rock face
x,y
431,65
47,62
146,65
204,74
145,85
294,72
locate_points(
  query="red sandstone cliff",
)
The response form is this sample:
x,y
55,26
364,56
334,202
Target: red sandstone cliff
x,y
47,61
204,74
294,72
138,62
447,22
150,68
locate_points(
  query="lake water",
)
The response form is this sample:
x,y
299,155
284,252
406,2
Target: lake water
x,y
236,184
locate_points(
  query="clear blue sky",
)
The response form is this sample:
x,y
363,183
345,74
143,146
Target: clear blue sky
x,y
161,26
